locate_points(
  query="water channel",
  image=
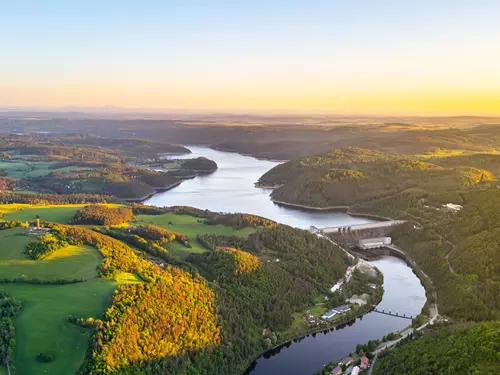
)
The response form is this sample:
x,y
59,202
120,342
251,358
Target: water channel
x,y
231,189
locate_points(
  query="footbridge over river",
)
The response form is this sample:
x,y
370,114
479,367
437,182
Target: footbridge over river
x,y
362,227
392,313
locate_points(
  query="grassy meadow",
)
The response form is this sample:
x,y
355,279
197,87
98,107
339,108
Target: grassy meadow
x,y
190,226
42,325
23,168
67,263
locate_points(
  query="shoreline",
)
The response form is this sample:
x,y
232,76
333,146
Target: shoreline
x,y
215,148
258,186
344,209
156,191
311,208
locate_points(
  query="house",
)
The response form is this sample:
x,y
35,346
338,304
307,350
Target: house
x,y
337,286
329,314
336,371
346,361
365,362
355,370
341,309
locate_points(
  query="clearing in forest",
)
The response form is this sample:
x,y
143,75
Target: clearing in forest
x,y
190,226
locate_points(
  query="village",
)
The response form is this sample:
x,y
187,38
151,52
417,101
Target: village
x,y
324,313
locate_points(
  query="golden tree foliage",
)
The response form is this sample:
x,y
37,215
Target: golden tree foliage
x,y
243,262
167,317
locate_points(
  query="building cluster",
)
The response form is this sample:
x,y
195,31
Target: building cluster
x,y
348,363
336,311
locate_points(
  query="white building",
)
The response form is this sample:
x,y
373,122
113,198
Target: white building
x,y
374,243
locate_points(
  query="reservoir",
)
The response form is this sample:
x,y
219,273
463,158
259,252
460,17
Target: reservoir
x,y
231,189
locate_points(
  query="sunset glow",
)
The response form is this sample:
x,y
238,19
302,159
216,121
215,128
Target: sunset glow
x,y
384,57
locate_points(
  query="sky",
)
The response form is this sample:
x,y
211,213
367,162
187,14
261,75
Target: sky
x,y
393,57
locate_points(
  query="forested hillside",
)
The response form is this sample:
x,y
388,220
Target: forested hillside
x,y
253,292
473,351
452,204
345,177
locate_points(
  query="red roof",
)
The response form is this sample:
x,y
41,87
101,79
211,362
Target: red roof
x,y
364,362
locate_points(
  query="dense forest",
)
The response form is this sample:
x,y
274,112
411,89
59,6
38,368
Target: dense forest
x,y
474,351
9,308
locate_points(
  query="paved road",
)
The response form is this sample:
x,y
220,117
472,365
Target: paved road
x,y
372,366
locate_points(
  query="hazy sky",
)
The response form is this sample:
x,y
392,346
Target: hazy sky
x,y
345,56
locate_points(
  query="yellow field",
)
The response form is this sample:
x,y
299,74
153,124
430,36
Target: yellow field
x,y
60,213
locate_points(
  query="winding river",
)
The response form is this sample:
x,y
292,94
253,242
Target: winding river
x,y
231,189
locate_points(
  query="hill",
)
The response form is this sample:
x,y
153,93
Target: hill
x,y
345,177
166,292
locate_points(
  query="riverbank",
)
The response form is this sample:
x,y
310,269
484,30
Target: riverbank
x,y
300,336
157,190
343,320
343,209
311,208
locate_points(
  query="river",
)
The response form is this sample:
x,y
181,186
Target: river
x,y
231,189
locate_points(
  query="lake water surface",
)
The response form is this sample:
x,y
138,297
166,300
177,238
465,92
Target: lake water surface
x,y
231,189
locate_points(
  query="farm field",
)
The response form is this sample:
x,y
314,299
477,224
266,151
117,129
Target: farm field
x,y
56,213
189,226
68,263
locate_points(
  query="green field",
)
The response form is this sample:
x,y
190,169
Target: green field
x,y
15,169
189,226
26,169
68,263
42,325
56,213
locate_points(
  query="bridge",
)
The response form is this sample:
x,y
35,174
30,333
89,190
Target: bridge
x,y
361,227
396,314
